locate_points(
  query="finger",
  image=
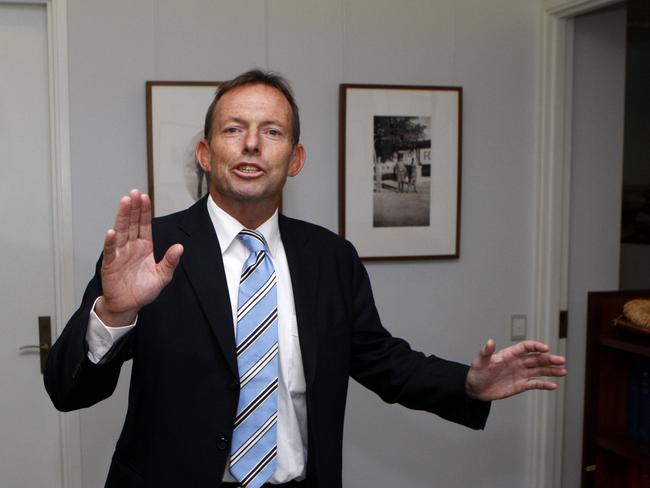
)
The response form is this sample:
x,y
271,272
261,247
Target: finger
x,y
538,384
488,349
485,354
168,263
134,219
145,217
547,371
122,221
533,346
536,360
531,375
109,247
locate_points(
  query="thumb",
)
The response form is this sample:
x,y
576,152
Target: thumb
x,y
170,260
486,352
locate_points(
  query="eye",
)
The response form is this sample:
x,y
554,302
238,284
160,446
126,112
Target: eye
x,y
274,132
231,129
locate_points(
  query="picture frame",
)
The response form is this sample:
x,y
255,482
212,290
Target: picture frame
x,y
175,119
400,170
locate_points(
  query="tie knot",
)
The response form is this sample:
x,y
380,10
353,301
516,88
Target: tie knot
x,y
254,241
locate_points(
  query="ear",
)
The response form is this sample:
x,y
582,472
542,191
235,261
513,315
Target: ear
x,y
202,154
297,160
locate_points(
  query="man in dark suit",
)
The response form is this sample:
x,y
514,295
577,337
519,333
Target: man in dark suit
x,y
165,294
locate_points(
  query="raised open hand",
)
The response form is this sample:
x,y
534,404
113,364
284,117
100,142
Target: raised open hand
x,y
131,278
512,370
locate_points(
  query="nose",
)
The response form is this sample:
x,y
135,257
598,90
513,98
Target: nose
x,y
252,143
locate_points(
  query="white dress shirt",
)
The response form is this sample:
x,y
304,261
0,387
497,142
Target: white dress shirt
x,y
292,407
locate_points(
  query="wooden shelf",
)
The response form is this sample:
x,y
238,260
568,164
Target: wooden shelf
x,y
633,450
626,344
609,455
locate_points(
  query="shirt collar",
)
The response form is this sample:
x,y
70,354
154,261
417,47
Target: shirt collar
x,y
227,227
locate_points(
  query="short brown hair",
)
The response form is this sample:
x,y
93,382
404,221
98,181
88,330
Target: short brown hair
x,y
255,77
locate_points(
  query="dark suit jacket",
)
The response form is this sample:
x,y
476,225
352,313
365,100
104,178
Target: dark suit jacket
x,y
184,382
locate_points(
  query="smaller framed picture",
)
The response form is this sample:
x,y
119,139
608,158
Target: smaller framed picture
x,y
399,170
175,119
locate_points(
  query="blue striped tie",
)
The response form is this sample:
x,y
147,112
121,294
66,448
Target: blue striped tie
x,y
254,442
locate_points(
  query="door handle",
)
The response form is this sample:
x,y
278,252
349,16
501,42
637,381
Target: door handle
x,y
45,339
42,347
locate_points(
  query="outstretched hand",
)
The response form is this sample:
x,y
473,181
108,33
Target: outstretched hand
x,y
521,367
131,278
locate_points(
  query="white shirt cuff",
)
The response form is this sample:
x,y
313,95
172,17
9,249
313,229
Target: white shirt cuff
x,y
100,337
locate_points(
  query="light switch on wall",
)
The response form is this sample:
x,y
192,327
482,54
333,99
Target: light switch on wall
x,y
518,327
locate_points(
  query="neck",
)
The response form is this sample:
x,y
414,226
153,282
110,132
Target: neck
x,y
250,214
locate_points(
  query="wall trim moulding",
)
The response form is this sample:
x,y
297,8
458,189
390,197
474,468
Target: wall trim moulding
x,y
57,14
552,223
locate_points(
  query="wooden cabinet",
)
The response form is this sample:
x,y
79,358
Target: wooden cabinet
x,y
613,457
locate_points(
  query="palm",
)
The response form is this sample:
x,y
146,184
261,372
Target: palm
x,y
131,278
515,369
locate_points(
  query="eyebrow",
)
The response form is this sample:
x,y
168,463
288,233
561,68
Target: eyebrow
x,y
239,120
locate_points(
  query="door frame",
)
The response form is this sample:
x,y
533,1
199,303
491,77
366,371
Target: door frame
x,y
57,21
61,210
552,221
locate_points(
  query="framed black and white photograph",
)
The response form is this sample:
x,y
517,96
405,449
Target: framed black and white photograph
x,y
175,119
399,175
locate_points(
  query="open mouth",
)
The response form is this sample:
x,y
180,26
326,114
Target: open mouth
x,y
248,169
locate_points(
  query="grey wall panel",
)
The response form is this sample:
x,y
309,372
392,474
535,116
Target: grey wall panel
x,y
306,45
410,42
111,48
208,39
490,48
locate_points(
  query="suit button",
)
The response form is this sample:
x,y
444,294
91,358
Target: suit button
x,y
234,386
222,443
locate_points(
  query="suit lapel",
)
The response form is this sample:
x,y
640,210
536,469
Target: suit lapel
x,y
203,266
303,268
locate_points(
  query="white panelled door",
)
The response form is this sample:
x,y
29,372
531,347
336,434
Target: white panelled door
x,y
30,445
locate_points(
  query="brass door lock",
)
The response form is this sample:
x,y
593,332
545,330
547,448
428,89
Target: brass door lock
x,y
45,340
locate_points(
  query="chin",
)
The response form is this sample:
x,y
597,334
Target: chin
x,y
255,197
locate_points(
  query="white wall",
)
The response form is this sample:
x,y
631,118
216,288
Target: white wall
x,y
450,308
596,189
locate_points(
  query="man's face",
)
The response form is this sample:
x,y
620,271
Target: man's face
x,y
250,152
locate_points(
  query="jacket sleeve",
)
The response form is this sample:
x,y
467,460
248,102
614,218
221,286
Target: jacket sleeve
x,y
389,367
71,379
